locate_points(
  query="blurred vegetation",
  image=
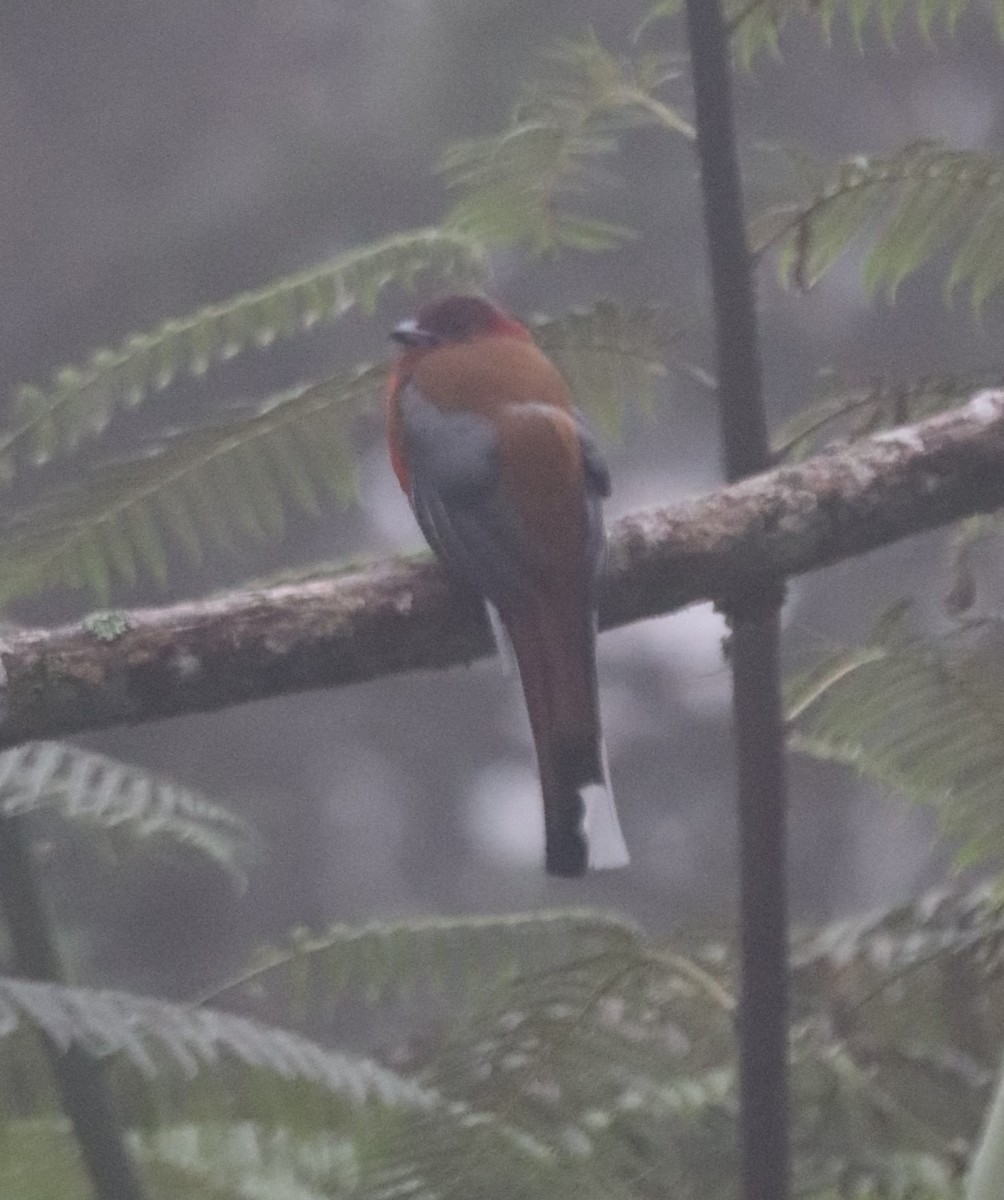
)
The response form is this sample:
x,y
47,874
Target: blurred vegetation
x,y
570,1054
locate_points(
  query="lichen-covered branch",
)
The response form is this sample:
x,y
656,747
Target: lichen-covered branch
x,y
402,615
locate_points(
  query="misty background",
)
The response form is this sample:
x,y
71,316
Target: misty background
x,y
157,157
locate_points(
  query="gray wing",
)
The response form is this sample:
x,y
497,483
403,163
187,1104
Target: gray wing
x,y
454,482
597,478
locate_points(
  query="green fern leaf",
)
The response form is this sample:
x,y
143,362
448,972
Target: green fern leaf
x,y
82,400
661,11
389,959
224,485
847,413
94,790
608,354
919,201
757,25
514,185
215,486
155,1036
617,1057
397,1136
249,1159
919,719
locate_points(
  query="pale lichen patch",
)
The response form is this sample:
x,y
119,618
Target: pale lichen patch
x,y
185,664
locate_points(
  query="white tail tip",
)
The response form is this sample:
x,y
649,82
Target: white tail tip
x,y
503,643
606,848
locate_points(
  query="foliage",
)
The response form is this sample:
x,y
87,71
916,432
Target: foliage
x,y
82,400
514,184
212,486
757,24
597,1064
920,717
925,198
608,353
393,959
119,799
154,1036
222,484
584,1060
845,413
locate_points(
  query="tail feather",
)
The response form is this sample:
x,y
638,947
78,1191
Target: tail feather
x,y
580,820
607,847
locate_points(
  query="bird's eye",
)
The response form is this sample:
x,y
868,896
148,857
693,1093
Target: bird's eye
x,y
410,333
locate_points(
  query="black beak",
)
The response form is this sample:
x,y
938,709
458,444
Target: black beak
x,y
409,333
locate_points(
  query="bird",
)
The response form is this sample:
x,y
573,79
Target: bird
x,y
507,484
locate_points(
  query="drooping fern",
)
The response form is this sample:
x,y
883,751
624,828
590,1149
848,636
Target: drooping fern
x,y
757,24
603,1067
845,413
611,357
81,400
920,200
922,718
123,800
514,184
626,1057
155,1036
222,485
214,486
402,1136
389,960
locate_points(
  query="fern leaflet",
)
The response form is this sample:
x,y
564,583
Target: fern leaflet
x,y
214,486
92,789
845,413
155,1036
390,959
757,24
224,484
608,354
919,718
514,184
82,400
922,199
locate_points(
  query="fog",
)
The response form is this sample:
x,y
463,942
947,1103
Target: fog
x,y
157,157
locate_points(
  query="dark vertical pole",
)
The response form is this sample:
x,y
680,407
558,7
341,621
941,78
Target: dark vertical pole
x,y
79,1077
762,788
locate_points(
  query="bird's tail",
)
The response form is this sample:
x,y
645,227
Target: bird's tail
x,y
557,666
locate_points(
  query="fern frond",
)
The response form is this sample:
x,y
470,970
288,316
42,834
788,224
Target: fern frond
x,y
886,946
215,486
846,413
247,1159
918,718
81,400
757,24
622,1056
222,485
391,959
515,184
662,10
398,1136
92,789
609,356
920,200
157,1038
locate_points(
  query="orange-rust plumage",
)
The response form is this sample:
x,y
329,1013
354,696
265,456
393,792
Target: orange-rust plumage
x,y
506,484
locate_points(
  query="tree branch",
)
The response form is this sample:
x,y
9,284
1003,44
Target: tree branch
x,y
401,615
